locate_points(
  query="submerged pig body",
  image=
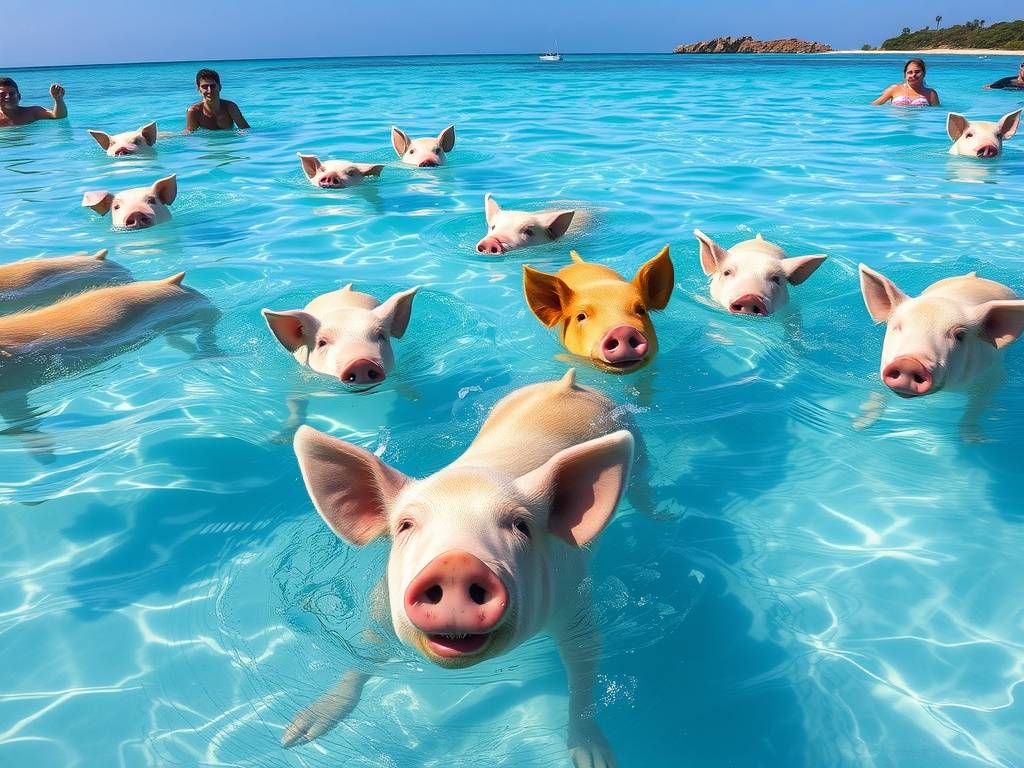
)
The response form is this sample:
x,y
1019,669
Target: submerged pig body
x,y
980,138
345,334
86,328
601,315
752,277
128,142
488,551
509,230
33,282
949,337
136,208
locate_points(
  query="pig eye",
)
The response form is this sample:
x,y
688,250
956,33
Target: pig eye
x,y
727,273
404,526
412,150
321,343
581,317
528,232
151,199
968,135
522,526
959,334
117,207
776,280
437,149
641,311
381,336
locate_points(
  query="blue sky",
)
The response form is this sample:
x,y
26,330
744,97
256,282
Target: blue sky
x,y
55,32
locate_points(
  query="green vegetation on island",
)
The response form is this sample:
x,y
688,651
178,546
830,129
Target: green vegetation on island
x,y
1005,35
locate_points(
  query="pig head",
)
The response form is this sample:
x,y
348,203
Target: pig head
x,y
136,208
752,277
127,143
345,334
336,174
425,153
508,230
980,138
599,314
945,338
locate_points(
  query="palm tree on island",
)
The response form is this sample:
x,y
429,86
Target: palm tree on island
x,y
938,21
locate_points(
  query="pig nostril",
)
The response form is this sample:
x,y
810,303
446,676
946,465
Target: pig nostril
x,y
434,594
612,344
918,378
478,594
373,374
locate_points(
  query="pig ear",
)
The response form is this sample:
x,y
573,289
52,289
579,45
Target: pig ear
x,y
1002,321
98,201
956,124
1009,124
369,169
293,328
166,189
711,253
311,164
148,132
547,295
397,311
103,139
656,279
351,488
101,254
447,139
491,207
881,296
799,268
399,140
583,484
557,222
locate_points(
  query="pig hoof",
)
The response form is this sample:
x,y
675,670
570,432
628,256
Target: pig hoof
x,y
311,723
590,749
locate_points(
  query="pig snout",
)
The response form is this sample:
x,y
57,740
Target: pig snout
x,y
330,180
490,245
138,220
363,372
456,600
749,304
429,162
989,150
624,345
123,150
908,377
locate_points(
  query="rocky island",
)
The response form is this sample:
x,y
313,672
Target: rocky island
x,y
748,44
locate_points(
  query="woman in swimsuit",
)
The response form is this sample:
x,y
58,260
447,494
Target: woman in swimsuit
x,y
912,92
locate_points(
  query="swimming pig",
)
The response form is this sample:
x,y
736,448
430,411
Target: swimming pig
x,y
949,337
136,208
345,334
426,153
86,329
753,277
336,174
508,230
601,315
489,551
32,282
981,138
127,143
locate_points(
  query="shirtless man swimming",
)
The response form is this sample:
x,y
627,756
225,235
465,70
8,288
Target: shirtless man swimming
x,y
213,112
13,114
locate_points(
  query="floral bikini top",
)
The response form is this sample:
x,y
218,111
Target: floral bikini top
x,y
906,101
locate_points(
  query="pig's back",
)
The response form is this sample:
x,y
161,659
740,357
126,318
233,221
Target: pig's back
x,y
530,425
91,314
970,289
21,274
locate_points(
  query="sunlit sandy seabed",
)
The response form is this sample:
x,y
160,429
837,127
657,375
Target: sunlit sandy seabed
x,y
819,596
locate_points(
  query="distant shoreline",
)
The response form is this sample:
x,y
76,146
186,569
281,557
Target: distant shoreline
x,y
939,51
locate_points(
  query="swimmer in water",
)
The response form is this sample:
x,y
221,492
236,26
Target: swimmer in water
x,y
12,113
1009,82
213,112
912,92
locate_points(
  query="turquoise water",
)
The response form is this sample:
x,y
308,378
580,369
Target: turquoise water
x,y
818,596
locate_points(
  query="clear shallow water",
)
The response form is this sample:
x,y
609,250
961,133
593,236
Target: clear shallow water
x,y
821,595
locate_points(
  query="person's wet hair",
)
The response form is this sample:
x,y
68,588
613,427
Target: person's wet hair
x,y
919,62
207,74
6,82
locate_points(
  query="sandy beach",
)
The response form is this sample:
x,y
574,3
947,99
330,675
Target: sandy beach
x,y
943,51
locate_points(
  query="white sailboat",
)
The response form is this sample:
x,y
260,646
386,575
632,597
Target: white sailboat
x,y
551,55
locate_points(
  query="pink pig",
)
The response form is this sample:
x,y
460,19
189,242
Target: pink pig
x,y
426,153
336,174
980,138
127,143
136,208
490,550
508,230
